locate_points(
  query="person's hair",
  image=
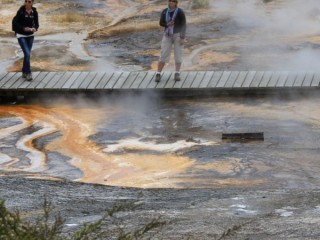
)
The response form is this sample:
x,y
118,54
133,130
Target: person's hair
x,y
176,1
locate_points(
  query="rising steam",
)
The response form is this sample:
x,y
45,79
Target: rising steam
x,y
285,33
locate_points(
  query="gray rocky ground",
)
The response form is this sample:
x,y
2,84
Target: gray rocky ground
x,y
190,213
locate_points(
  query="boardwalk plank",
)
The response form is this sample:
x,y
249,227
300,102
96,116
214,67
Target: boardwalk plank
x,y
316,80
206,79
300,79
113,80
71,80
12,81
189,80
45,81
153,83
257,79
282,79
105,79
164,79
2,75
63,80
121,80
274,79
25,84
223,80
96,80
215,79
128,79
290,80
86,82
139,80
308,79
249,78
240,79
54,80
7,77
266,78
18,83
79,80
198,79
183,77
228,80
232,79
37,78
170,82
148,78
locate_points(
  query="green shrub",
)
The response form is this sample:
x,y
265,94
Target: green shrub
x,y
13,228
49,227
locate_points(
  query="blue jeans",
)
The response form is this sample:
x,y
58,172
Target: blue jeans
x,y
26,46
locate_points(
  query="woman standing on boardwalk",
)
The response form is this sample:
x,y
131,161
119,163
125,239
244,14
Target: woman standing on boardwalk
x,y
25,24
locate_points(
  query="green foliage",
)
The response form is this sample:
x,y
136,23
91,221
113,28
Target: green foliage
x,y
47,227
230,232
197,4
139,233
12,227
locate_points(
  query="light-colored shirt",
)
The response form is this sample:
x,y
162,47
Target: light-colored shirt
x,y
21,35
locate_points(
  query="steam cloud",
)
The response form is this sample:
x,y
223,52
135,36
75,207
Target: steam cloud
x,y
285,29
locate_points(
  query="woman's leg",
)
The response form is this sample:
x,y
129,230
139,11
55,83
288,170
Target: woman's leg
x,y
26,46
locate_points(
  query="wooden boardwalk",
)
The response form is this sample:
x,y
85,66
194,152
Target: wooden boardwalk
x,y
192,82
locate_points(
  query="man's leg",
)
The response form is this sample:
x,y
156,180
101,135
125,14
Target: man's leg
x,y
160,66
178,54
158,74
178,66
166,45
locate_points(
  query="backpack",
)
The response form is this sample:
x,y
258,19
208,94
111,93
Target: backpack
x,y
15,20
14,23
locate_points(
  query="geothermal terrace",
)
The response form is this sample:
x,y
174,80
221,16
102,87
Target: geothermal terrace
x,y
192,82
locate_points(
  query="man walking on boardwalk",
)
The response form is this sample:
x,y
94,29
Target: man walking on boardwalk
x,y
174,22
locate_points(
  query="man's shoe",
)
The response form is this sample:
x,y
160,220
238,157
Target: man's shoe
x,y
158,77
24,75
29,77
177,76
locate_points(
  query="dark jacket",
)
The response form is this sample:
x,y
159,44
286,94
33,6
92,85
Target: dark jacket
x,y
23,20
180,23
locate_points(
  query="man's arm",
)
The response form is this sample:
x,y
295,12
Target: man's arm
x,y
163,22
183,23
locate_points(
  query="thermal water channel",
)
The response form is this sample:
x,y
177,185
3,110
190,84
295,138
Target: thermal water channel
x,y
147,142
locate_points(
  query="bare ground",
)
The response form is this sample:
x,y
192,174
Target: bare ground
x,y
190,213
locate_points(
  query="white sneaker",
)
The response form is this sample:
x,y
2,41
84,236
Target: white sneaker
x,y
29,77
